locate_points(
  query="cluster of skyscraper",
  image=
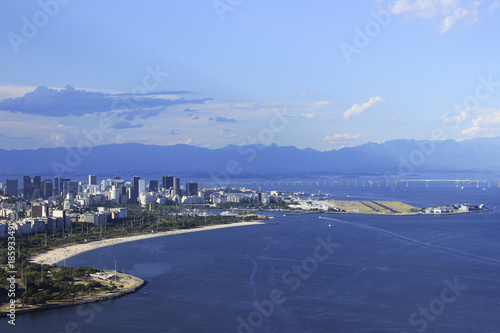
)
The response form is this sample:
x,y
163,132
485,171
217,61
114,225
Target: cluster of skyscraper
x,y
168,182
36,188
32,189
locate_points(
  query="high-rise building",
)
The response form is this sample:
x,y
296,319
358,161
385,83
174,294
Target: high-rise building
x,y
191,189
92,180
177,187
167,182
117,182
153,186
64,186
115,194
36,188
11,187
142,186
123,194
135,188
37,183
40,211
57,185
73,187
27,187
47,188
69,187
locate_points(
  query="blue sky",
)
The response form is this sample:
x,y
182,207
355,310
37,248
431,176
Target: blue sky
x,y
319,74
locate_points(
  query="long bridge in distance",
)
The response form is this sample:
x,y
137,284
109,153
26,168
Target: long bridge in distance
x,y
356,183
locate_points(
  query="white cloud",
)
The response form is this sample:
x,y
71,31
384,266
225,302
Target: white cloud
x,y
357,109
228,135
453,17
58,139
493,7
486,123
445,119
309,115
341,138
420,8
322,103
187,141
449,12
472,132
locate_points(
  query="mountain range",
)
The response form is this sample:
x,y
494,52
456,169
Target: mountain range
x,y
405,158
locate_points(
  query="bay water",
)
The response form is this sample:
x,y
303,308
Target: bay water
x,y
309,273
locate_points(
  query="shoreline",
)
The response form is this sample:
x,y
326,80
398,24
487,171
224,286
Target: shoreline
x,y
59,254
101,297
56,255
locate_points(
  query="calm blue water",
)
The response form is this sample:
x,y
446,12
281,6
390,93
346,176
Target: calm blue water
x,y
377,276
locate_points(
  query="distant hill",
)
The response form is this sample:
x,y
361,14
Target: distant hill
x,y
403,157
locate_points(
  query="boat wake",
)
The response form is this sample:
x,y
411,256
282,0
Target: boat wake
x,y
408,240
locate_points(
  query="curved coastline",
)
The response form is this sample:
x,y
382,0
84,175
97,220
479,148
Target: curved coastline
x,y
56,255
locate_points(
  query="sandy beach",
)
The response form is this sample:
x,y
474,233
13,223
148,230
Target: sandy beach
x,y
56,255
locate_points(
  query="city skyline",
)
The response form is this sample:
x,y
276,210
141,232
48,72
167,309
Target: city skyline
x,y
322,75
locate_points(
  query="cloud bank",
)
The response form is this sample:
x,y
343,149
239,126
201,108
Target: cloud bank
x,y
71,102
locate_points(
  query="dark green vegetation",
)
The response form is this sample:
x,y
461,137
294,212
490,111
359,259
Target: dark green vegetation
x,y
37,284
